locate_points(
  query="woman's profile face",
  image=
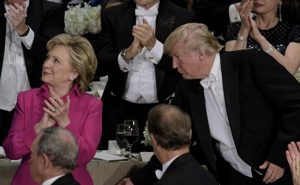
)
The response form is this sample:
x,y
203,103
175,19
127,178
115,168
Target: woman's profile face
x,y
57,69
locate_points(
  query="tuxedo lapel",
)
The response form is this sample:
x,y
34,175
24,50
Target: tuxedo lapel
x,y
231,88
126,24
164,22
199,118
34,17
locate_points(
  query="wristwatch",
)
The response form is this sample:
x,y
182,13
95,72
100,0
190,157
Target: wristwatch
x,y
124,56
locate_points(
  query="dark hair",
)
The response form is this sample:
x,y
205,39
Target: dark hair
x,y
170,126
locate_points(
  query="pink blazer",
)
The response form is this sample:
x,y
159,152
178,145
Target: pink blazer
x,y
85,115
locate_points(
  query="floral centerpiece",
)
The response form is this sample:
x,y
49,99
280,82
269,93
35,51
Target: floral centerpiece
x,y
82,20
147,140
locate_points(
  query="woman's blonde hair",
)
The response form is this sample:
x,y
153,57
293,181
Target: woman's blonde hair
x,y
195,36
83,58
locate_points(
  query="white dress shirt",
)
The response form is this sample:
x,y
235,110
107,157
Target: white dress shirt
x,y
52,180
218,121
14,78
141,81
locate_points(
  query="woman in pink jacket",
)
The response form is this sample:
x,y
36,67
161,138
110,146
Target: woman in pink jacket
x,y
62,102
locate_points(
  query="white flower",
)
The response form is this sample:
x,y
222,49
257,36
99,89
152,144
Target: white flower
x,y
297,75
82,20
147,140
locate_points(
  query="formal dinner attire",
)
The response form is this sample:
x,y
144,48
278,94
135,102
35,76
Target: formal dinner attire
x,y
133,89
21,58
244,116
85,114
186,170
280,36
67,179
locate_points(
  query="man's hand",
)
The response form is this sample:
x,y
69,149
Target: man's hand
x,y
273,173
125,181
145,34
16,15
134,49
293,158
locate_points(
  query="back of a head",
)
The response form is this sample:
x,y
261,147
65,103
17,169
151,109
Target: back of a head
x,y
195,36
170,126
61,147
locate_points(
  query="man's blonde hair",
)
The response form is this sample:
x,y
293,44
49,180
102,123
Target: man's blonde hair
x,y
195,36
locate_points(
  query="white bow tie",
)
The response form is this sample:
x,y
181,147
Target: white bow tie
x,y
208,81
158,174
142,13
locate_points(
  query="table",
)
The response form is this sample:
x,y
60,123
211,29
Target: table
x,y
102,172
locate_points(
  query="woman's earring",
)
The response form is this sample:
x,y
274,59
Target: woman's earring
x,y
279,11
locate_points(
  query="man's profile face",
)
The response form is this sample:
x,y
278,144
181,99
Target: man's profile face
x,y
186,62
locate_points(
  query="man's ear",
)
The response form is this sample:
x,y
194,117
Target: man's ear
x,y
153,141
46,161
201,53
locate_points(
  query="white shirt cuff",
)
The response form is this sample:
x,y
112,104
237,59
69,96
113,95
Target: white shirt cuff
x,y
124,66
234,15
154,55
28,39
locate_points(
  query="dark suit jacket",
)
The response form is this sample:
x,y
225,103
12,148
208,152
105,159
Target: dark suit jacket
x,y
186,170
116,35
183,170
263,107
46,19
66,180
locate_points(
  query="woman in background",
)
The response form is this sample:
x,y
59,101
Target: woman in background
x,y
62,102
266,32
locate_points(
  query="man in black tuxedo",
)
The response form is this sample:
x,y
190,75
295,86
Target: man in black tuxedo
x,y
245,107
53,157
170,130
130,52
26,26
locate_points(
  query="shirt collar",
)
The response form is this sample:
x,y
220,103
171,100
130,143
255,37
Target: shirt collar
x,y
216,67
51,180
214,74
153,8
167,164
